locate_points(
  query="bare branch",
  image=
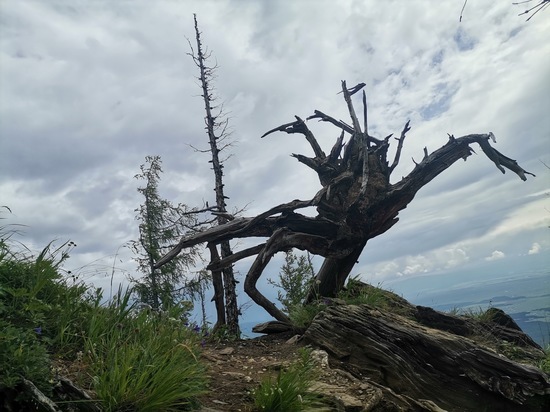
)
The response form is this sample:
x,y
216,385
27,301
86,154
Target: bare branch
x,y
365,117
500,160
347,98
282,208
326,118
222,263
309,162
299,126
399,146
336,149
462,11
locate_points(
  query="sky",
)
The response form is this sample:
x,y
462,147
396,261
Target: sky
x,y
89,88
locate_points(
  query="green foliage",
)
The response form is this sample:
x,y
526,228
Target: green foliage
x,y
355,293
33,295
480,314
359,293
22,356
302,315
544,363
142,361
160,225
289,391
295,279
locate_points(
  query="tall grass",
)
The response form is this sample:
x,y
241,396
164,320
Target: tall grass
x,y
140,360
136,360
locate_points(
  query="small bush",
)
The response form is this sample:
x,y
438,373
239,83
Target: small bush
x,y
289,391
22,356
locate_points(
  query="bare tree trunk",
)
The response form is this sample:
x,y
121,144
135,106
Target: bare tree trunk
x,y
217,283
212,125
332,275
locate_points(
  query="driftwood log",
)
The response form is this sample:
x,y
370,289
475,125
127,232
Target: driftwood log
x,y
356,201
414,362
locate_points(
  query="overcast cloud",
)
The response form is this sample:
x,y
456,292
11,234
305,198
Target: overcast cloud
x,y
89,88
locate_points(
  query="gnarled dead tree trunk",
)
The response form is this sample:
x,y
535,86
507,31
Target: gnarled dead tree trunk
x,y
355,204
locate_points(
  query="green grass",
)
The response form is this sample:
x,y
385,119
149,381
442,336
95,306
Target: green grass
x,y
140,361
355,293
544,364
136,360
289,391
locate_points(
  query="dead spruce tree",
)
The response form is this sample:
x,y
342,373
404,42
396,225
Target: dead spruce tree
x,y
216,127
356,203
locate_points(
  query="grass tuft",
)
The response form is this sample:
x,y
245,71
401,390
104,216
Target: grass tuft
x,y
290,390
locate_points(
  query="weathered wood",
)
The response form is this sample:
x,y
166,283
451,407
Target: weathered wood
x,y
413,360
37,398
355,203
272,327
82,401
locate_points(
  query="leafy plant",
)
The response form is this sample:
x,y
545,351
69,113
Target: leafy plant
x,y
22,356
290,390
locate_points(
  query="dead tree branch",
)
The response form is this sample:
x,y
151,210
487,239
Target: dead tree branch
x,y
355,203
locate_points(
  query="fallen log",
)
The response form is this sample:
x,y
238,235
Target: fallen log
x,y
454,372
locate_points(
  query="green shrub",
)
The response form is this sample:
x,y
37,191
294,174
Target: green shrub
x,y
289,391
34,294
22,356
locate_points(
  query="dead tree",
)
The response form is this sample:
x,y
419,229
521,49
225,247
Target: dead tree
x,y
356,203
216,128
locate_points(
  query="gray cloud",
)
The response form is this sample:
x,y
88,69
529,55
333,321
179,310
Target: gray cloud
x,y
90,89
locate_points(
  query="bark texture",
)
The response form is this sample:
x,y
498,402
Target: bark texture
x,y
417,363
356,201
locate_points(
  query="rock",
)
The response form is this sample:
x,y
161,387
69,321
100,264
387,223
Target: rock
x,y
320,358
67,389
226,351
337,395
424,368
499,317
293,340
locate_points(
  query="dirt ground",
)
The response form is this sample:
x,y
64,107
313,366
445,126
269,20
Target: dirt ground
x,y
236,369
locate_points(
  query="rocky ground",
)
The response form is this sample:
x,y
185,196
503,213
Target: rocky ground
x,y
236,369
400,358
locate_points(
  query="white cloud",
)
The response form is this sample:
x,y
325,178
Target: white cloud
x,y
90,90
534,249
496,255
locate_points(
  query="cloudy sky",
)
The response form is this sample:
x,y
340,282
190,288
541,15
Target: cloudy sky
x,y
89,88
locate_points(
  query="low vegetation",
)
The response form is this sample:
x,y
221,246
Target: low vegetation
x,y
354,293
128,359
289,391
